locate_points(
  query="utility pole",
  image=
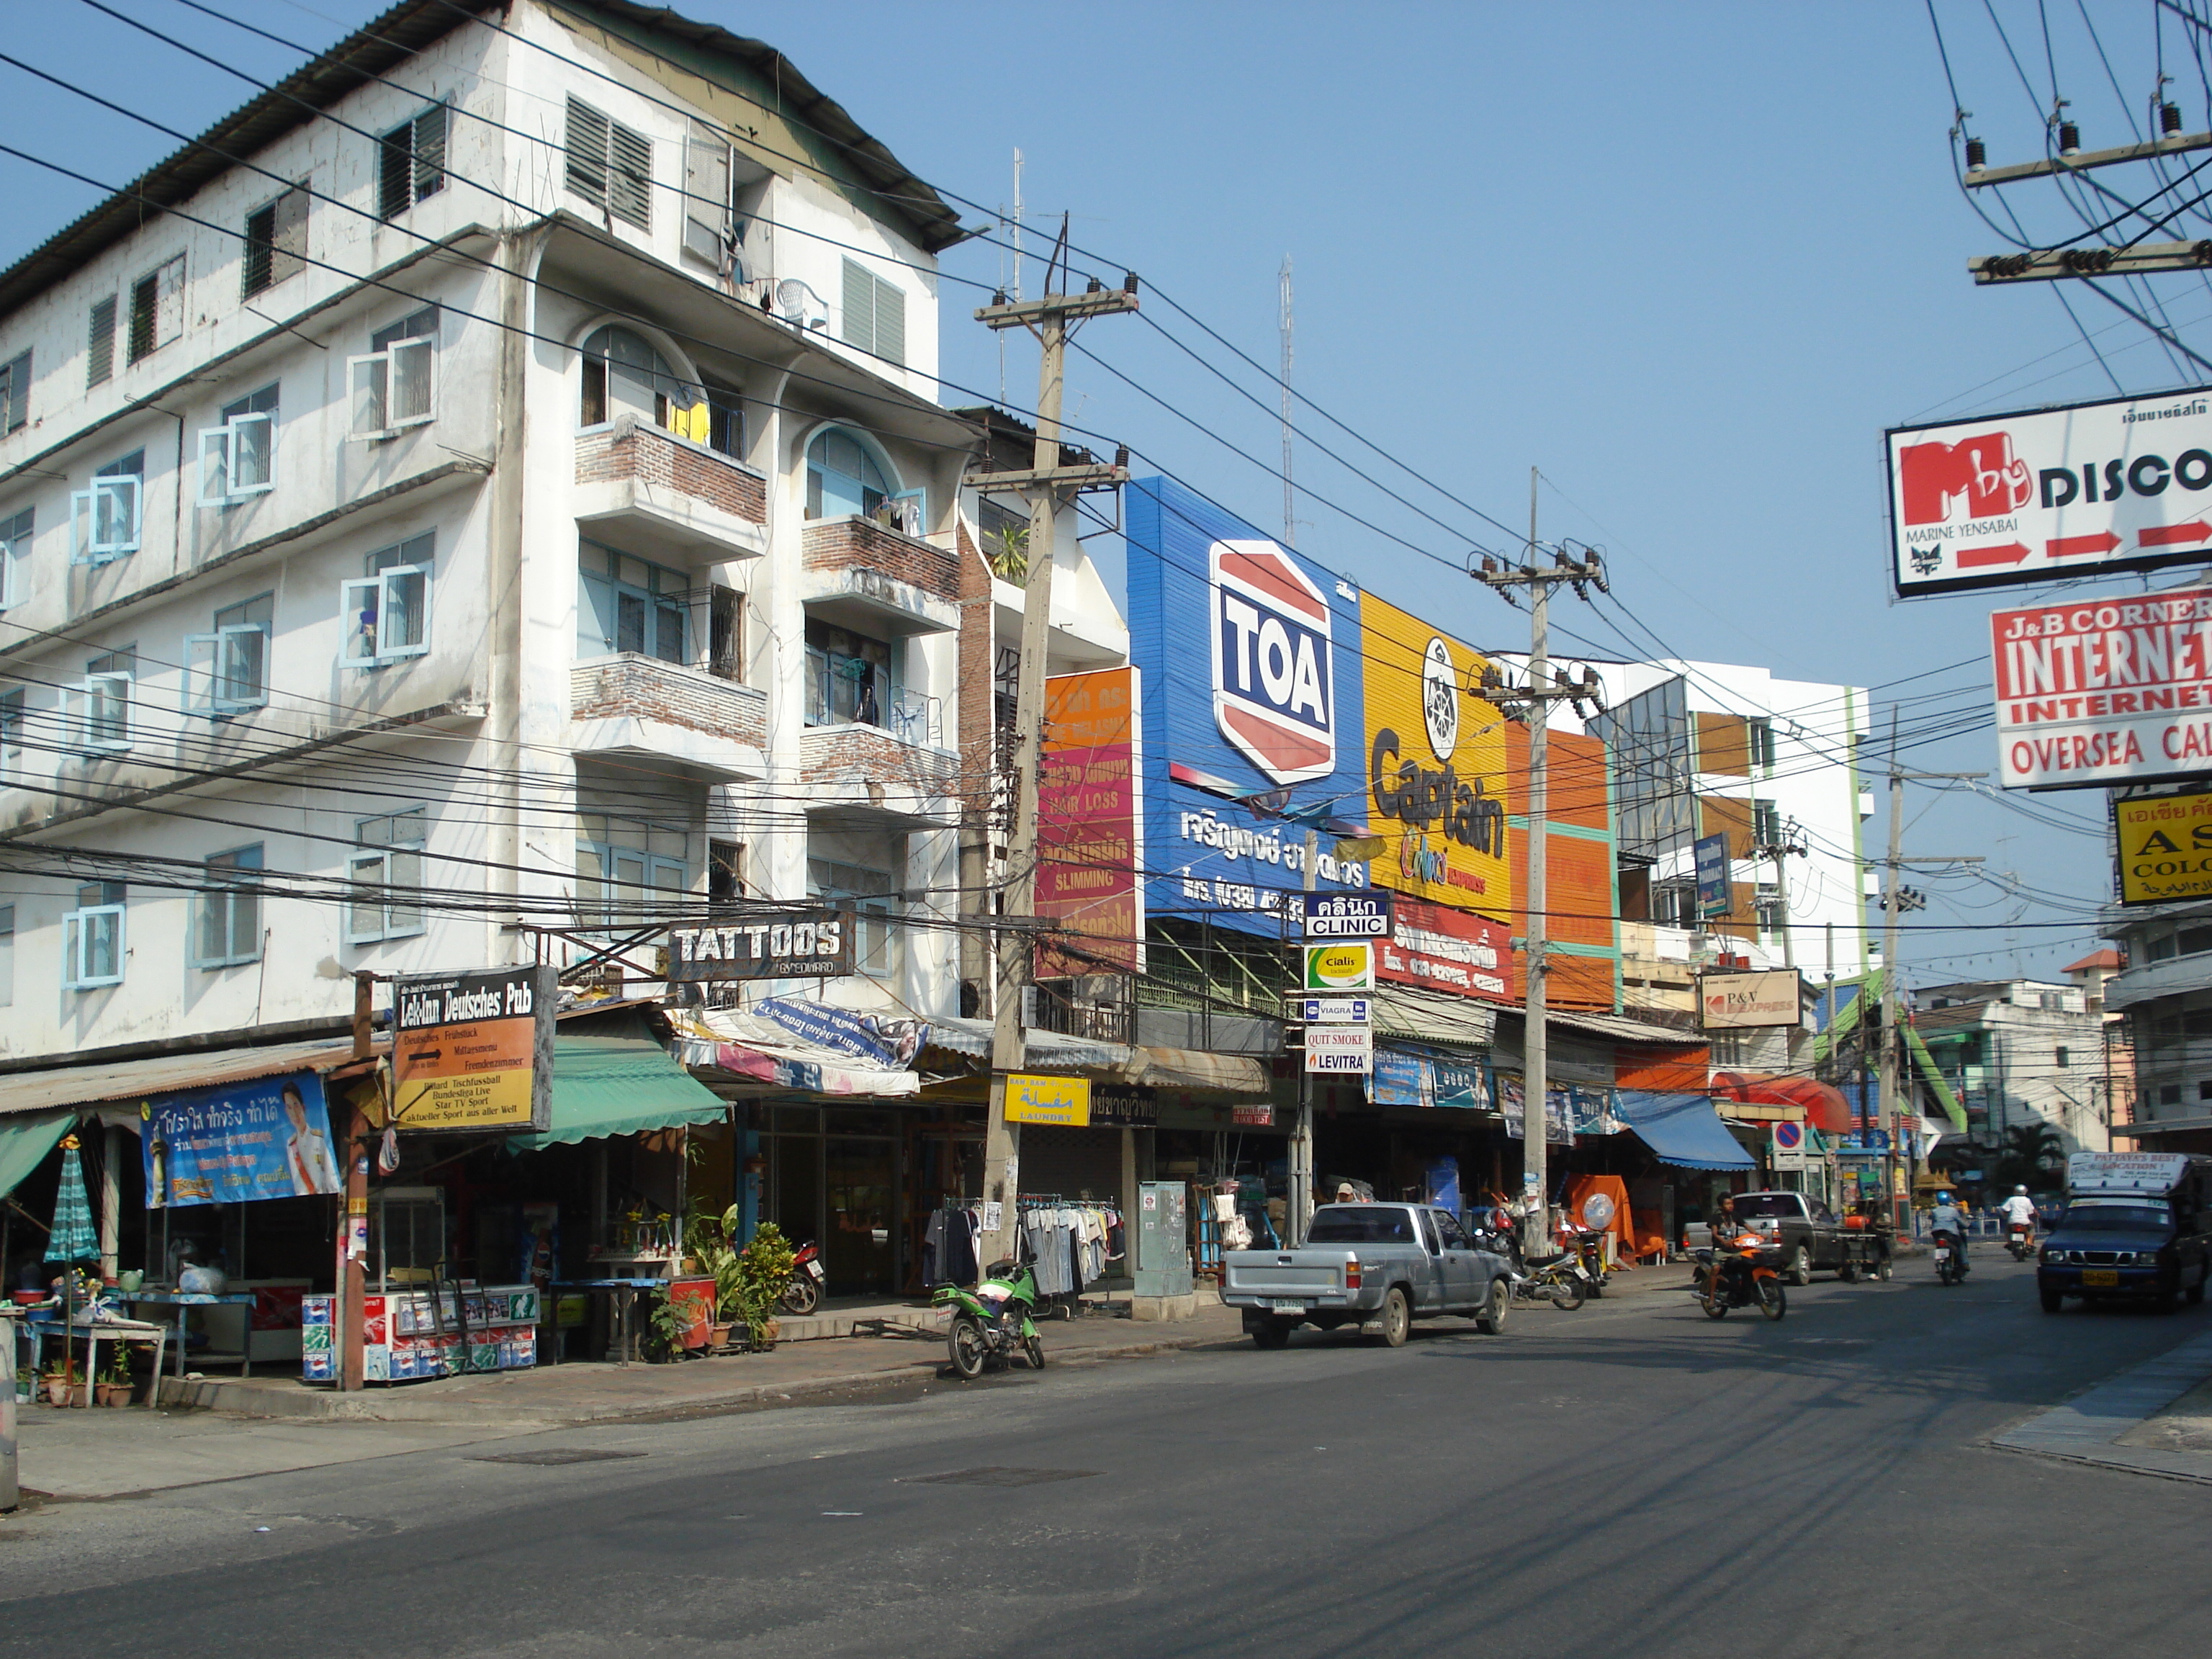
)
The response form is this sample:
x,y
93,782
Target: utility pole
x,y
1537,697
1290,493
1891,1076
1784,845
1298,1211
1048,484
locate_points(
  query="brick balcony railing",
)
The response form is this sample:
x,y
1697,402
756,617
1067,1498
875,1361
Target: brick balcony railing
x,y
631,449
847,543
649,689
832,755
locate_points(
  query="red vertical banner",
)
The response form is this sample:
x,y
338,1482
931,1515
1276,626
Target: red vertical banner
x,y
1090,825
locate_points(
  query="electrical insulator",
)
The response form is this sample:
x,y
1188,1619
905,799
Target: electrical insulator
x,y
1978,156
2169,119
2069,139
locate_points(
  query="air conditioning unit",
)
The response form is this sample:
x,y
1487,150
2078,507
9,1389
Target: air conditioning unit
x,y
799,305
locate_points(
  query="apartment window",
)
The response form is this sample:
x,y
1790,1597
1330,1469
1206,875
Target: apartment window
x,y
411,162
229,929
106,517
2159,947
386,615
2204,1090
629,604
100,343
623,373
843,476
11,723
92,937
709,226
1765,824
875,313
1759,735
238,459
2062,1057
15,556
395,383
386,877
1005,536
227,672
7,956
96,710
157,308
2194,941
850,678
2050,1002
1773,913
726,868
726,628
2169,1094
726,423
628,871
874,899
14,391
275,241
610,165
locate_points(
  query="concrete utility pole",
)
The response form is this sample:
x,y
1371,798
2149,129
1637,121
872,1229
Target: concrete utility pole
x,y
1297,1210
1890,1078
1538,697
1048,484
1782,847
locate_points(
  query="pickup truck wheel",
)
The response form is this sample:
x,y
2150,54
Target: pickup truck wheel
x,y
1397,1319
1275,1333
1491,1321
1801,1267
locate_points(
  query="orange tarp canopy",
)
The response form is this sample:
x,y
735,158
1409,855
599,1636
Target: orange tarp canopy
x,y
1825,1109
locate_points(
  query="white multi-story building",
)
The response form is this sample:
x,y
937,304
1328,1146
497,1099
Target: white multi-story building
x,y
1705,749
497,483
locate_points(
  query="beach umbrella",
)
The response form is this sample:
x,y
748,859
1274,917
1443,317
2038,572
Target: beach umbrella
x,y
72,1240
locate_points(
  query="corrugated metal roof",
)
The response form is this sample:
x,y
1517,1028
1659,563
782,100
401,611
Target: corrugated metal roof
x,y
134,1079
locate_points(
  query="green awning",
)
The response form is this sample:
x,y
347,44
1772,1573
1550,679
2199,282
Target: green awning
x,y
1936,1084
25,1142
612,1085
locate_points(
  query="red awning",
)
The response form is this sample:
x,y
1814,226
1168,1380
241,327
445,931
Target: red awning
x,y
1825,1109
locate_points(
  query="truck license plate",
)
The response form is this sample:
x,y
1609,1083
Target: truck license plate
x,y
2101,1276
1282,1306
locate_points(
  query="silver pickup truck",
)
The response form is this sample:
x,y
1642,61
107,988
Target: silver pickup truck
x,y
1379,1266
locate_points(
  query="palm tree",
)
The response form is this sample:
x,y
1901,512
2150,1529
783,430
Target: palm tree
x,y
2031,1150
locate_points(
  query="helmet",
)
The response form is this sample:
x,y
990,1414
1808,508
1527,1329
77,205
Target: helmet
x,y
2019,1190
1943,1198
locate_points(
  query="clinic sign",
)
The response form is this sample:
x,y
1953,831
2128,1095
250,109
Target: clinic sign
x,y
2165,847
2102,691
474,1050
2050,495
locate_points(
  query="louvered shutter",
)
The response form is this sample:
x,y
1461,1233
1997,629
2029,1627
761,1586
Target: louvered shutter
x,y
630,176
587,152
859,319
431,151
890,322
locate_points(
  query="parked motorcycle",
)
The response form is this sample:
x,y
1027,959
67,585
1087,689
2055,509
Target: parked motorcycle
x,y
803,1295
992,1322
1950,1259
2020,1239
1744,1274
1558,1277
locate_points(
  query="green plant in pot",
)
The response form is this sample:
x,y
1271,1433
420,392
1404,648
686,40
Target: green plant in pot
x,y
662,1339
763,1269
709,1240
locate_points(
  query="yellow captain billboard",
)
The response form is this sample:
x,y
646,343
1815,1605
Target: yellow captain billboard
x,y
1436,765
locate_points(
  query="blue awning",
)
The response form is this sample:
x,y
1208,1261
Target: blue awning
x,y
1682,1129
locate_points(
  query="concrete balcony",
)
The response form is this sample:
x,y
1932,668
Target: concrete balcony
x,y
651,493
881,775
638,708
864,575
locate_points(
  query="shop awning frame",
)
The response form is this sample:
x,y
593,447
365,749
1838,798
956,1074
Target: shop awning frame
x,y
1683,1130
606,1087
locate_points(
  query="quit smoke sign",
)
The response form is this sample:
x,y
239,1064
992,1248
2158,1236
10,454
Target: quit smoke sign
x,y
2123,484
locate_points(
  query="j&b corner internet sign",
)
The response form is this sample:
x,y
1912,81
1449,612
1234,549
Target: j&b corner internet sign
x,y
2097,691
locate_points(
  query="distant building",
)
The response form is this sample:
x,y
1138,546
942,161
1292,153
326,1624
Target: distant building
x,y
2020,1052
2165,993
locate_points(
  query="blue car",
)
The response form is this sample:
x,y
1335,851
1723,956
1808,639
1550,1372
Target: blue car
x,y
2138,1245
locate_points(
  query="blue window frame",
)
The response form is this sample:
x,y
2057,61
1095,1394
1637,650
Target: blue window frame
x,y
625,603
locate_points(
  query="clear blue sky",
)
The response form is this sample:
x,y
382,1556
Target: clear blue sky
x,y
1688,259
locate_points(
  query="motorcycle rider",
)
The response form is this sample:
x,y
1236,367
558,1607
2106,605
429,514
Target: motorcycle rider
x,y
1947,1218
2019,1211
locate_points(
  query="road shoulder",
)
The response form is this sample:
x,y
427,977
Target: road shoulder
x,y
2138,1421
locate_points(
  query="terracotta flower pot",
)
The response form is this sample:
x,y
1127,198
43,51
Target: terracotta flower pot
x,y
112,1394
60,1392
764,1335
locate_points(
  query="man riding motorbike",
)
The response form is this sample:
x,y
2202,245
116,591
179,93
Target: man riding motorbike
x,y
2019,1211
1946,1225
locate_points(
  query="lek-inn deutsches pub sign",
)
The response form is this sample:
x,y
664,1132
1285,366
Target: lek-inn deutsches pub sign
x,y
1267,675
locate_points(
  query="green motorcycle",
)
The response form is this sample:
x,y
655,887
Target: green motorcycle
x,y
991,1322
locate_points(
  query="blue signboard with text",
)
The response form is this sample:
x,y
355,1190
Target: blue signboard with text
x,y
1710,854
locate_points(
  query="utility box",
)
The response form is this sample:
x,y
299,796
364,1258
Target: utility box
x,y
1163,1267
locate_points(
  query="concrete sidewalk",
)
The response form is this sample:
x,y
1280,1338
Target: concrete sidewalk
x,y
2153,1420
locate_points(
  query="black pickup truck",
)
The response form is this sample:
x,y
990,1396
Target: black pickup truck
x,y
1810,1239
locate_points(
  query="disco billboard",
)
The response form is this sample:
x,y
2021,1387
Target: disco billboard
x,y
2053,494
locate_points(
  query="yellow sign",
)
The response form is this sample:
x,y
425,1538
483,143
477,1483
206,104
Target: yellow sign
x,y
1436,765
2165,847
1063,1100
1341,967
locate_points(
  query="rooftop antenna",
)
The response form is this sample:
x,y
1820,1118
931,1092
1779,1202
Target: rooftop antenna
x,y
1289,491
1014,230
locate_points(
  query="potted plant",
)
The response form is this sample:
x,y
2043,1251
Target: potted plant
x,y
27,1385
63,1386
113,1387
763,1268
663,1336
709,1241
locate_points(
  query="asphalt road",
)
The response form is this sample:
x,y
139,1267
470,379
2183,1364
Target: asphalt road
x,y
1630,1480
